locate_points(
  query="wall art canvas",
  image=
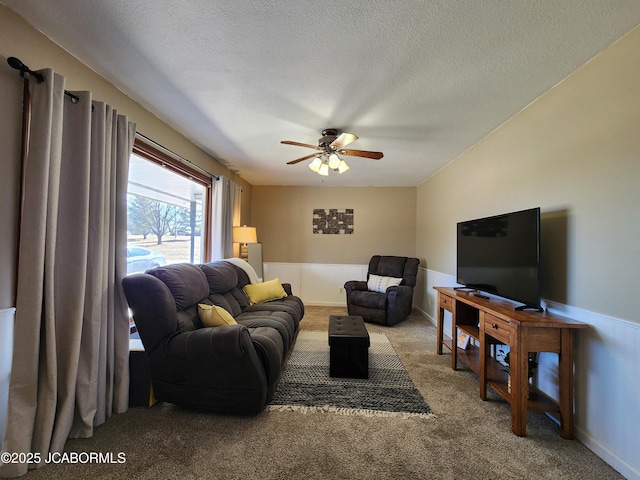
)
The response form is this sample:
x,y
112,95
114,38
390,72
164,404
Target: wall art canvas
x,y
333,221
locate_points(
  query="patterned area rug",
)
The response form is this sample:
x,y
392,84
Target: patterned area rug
x,y
306,386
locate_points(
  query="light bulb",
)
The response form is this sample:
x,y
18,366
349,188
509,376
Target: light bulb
x,y
324,170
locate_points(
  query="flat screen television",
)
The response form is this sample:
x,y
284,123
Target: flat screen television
x,y
501,255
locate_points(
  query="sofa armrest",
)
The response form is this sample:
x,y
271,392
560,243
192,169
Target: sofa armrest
x,y
268,344
353,285
153,308
287,288
399,303
210,344
214,368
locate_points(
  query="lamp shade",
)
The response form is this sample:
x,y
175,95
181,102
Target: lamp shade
x,y
315,165
245,234
343,167
334,161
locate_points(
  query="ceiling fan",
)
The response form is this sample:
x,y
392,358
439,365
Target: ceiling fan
x,y
329,146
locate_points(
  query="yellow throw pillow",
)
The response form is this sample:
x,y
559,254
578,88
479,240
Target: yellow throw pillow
x,y
214,316
263,292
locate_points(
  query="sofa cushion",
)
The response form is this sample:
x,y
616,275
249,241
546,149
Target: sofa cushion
x,y
265,291
289,304
369,299
243,277
214,316
188,319
280,321
187,283
221,276
226,301
240,297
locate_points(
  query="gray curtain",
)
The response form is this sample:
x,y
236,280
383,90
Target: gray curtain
x,y
225,214
70,362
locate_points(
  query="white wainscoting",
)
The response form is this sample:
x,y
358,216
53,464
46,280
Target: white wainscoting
x,y
6,355
607,391
316,284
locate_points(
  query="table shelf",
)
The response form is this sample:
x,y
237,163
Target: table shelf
x,y
494,321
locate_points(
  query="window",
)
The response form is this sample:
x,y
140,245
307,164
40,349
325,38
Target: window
x,y
167,210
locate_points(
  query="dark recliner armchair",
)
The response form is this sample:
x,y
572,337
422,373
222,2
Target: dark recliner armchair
x,y
387,295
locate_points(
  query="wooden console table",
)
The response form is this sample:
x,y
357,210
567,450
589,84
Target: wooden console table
x,y
493,322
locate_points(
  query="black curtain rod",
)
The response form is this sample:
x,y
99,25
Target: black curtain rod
x,y
18,65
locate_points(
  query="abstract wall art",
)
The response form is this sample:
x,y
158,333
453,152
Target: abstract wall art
x,y
333,221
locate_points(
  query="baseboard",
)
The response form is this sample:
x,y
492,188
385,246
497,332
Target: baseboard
x,y
612,458
326,304
426,315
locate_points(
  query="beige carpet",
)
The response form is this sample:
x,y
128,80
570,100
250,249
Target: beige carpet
x,y
468,439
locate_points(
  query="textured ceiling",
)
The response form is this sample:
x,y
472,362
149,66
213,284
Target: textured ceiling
x,y
421,81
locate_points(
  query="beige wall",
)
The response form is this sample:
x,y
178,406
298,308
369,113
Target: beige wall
x,y
10,135
18,39
384,223
575,152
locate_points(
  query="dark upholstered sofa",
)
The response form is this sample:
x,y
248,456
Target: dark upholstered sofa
x,y
233,368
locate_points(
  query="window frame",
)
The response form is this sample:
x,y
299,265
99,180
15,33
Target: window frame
x,y
180,167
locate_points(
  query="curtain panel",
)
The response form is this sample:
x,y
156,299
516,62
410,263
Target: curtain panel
x,y
225,214
71,340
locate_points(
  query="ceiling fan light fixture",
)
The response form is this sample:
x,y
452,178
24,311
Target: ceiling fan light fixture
x,y
329,150
316,164
343,167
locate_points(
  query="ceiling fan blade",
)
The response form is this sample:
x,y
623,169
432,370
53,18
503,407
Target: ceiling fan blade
x,y
289,142
297,160
362,153
343,139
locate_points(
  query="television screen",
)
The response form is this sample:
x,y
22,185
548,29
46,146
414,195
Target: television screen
x,y
501,255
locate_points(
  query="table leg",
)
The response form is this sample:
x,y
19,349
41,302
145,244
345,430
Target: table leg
x,y
454,337
440,333
566,383
519,359
484,353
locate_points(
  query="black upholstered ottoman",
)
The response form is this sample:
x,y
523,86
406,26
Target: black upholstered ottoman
x,y
348,347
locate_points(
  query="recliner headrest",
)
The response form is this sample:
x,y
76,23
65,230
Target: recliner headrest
x,y
398,267
390,266
221,276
